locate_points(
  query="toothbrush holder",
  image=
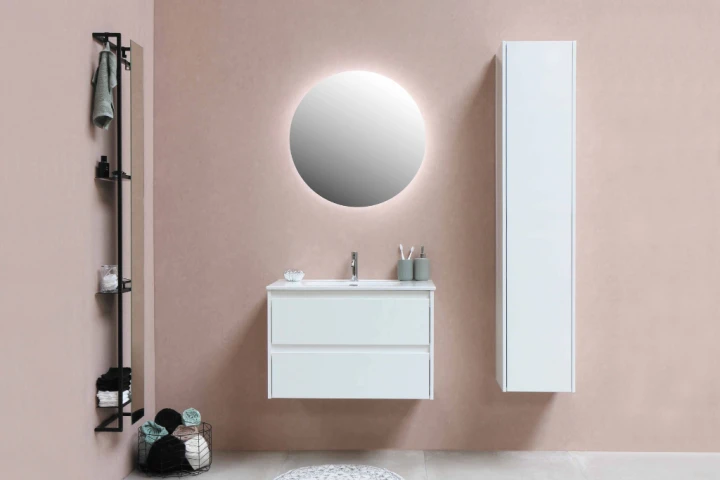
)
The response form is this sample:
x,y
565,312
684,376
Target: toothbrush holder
x,y
405,270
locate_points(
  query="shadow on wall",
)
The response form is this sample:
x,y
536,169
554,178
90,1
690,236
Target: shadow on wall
x,y
465,353
236,386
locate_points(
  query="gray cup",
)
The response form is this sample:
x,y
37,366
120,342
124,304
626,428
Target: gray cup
x,y
405,270
422,269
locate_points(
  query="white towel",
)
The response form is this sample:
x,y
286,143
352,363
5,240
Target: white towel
x,y
110,399
197,452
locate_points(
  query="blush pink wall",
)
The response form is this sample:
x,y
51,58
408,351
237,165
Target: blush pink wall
x,y
57,229
232,214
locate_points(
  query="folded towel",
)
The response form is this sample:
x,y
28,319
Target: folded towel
x,y
112,385
152,432
110,399
114,372
168,418
113,399
110,403
111,393
113,396
191,417
197,452
108,381
104,81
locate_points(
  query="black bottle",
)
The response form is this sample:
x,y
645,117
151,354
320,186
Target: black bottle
x,y
103,168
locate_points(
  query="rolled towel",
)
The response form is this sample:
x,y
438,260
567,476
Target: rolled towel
x,y
197,452
168,418
185,433
167,455
153,432
191,417
104,81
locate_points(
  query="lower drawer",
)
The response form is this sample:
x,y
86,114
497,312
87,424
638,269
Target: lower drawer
x,y
350,375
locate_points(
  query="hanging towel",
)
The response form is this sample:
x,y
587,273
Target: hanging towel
x,y
191,417
152,432
104,81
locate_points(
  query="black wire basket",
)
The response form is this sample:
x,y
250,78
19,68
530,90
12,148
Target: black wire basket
x,y
185,452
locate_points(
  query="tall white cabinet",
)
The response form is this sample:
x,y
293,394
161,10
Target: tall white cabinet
x,y
536,216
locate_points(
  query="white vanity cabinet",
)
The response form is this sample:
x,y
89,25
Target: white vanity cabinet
x,y
535,170
340,339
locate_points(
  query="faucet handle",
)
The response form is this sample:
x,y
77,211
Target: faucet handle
x,y
354,266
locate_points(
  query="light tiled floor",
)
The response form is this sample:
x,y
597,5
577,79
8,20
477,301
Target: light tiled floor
x,y
438,465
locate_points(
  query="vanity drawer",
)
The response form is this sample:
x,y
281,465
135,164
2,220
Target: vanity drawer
x,y
351,375
351,319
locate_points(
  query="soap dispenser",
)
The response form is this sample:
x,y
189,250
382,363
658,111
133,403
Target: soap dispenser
x,y
102,170
422,266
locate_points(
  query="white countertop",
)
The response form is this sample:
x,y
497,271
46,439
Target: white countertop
x,y
322,285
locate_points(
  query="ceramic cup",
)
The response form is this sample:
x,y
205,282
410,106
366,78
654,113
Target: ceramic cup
x,y
422,269
405,270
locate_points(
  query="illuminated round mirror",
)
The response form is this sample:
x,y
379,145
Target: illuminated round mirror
x,y
357,139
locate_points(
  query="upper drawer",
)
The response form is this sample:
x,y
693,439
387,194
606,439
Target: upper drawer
x,y
367,318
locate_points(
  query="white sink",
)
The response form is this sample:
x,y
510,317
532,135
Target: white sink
x,y
349,285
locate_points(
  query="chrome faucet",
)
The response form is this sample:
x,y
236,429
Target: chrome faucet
x,y
354,267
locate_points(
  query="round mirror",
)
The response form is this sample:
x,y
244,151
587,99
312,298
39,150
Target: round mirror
x,y
357,139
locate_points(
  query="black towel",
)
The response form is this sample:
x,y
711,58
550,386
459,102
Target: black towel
x,y
168,455
115,372
108,381
112,385
168,418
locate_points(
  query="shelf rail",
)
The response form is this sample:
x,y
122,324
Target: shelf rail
x,y
104,38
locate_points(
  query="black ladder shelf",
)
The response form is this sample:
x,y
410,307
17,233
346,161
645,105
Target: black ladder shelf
x,y
117,177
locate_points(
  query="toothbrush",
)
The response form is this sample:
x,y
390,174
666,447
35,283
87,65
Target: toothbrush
x,y
402,254
412,249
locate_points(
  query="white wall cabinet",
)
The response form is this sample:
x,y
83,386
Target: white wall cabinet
x,y
536,216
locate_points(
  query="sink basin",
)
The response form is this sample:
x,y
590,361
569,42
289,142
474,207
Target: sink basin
x,y
350,285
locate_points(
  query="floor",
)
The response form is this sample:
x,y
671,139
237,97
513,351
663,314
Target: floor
x,y
439,465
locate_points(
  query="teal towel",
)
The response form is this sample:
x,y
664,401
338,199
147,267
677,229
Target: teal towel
x,y
153,432
191,417
104,80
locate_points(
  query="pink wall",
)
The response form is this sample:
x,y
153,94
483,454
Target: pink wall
x,y
232,214
57,337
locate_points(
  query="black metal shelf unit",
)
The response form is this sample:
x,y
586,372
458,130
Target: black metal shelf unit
x,y
117,177
114,177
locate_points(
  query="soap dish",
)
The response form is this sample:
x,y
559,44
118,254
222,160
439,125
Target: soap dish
x,y
294,275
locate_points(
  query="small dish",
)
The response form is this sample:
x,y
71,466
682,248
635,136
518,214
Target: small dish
x,y
294,275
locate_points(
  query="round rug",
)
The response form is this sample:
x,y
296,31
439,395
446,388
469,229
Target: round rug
x,y
340,472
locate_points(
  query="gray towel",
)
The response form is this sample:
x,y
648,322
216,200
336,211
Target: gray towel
x,y
104,80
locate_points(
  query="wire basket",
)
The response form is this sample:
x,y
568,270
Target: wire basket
x,y
185,452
